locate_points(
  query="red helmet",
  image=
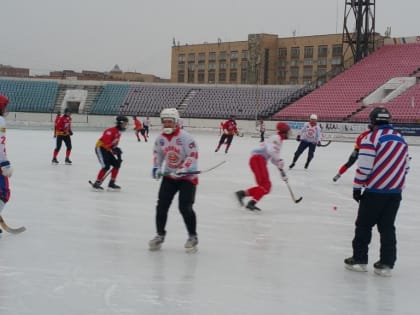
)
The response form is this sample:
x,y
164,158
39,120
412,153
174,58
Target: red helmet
x,y
3,101
282,127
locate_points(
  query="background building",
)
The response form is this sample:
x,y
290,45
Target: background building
x,y
263,59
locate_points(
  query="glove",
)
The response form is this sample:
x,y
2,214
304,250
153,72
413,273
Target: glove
x,y
155,173
357,194
70,133
179,171
280,164
6,169
283,175
298,138
117,151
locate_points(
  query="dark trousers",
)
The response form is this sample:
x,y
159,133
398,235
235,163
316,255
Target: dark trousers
x,y
381,210
227,138
60,140
168,188
302,147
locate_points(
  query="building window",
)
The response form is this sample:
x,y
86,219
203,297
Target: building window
x,y
211,66
201,57
336,61
322,61
282,63
309,51
222,65
307,72
211,76
234,65
190,67
200,76
222,55
233,55
307,62
283,53
337,50
294,52
190,76
181,58
233,76
181,76
200,66
181,66
191,57
244,76
212,56
294,73
294,63
244,54
322,51
222,76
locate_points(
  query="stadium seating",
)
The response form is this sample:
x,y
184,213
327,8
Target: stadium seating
x,y
29,95
340,98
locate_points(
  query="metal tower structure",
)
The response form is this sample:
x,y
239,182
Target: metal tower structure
x,y
359,28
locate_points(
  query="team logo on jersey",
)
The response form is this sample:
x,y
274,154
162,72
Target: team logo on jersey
x,y
179,141
172,158
191,145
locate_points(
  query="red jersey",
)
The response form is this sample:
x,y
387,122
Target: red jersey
x,y
110,138
229,127
137,124
63,126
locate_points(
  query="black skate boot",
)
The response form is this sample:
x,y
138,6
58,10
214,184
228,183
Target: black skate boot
x,y
251,206
240,195
156,242
67,161
336,177
97,185
292,165
54,161
382,270
354,265
112,185
306,165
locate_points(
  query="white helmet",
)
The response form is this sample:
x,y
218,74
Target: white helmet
x,y
169,113
313,117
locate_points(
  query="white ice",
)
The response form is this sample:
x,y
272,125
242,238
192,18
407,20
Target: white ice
x,y
86,252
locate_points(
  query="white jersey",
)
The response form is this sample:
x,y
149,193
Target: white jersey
x,y
146,122
270,149
176,151
3,154
310,133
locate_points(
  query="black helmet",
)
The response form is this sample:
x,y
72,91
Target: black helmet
x,y
379,116
67,111
119,120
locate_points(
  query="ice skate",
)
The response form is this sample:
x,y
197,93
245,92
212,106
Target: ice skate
x,y
306,165
156,242
291,165
96,185
68,161
113,186
251,206
336,177
382,270
353,265
54,161
191,244
240,195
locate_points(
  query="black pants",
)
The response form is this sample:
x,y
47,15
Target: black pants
x,y
302,147
227,138
168,188
59,141
381,210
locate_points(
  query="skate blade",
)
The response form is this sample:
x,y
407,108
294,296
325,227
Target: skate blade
x,y
155,248
383,272
357,267
191,250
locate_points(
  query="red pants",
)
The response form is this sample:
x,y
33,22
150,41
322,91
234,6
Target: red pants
x,y
258,165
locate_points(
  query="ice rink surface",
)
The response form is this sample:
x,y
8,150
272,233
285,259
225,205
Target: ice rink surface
x,y
86,252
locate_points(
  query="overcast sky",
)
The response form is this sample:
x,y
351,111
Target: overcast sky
x,y
48,35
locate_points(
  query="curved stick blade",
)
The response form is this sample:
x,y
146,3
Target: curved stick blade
x,y
298,200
